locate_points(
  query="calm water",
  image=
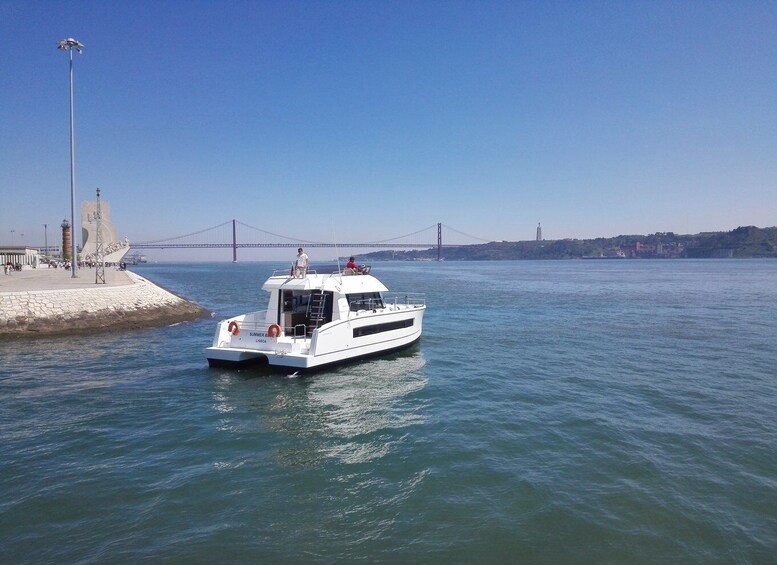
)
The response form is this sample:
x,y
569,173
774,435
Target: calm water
x,y
579,411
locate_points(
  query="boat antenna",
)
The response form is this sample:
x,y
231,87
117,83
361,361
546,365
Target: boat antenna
x,y
337,253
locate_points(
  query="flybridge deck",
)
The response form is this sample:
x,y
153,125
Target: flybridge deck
x,y
318,320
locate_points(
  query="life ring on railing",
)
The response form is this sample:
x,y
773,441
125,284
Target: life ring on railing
x,y
274,330
233,328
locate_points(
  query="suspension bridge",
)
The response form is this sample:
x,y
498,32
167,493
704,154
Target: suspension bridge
x,y
234,234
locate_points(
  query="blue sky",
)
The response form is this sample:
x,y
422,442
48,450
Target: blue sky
x,y
375,119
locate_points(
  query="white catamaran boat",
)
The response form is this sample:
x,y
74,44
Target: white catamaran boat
x,y
317,320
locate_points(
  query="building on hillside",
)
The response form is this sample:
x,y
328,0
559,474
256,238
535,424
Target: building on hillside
x,y
642,249
662,250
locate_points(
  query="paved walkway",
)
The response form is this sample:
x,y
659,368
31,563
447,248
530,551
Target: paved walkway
x,y
57,279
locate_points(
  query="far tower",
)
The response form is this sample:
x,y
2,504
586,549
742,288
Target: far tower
x,y
539,232
65,240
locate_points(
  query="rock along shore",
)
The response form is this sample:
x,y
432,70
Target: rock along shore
x,y
49,302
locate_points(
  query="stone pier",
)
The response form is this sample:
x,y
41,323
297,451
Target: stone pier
x,y
49,301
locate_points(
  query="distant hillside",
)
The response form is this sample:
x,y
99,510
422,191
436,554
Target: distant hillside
x,y
743,242
748,241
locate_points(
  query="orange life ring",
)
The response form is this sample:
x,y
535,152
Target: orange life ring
x,y
274,330
233,328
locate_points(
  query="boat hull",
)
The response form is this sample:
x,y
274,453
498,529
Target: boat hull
x,y
341,342
261,361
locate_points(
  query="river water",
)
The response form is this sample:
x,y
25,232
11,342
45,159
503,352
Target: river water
x,y
556,411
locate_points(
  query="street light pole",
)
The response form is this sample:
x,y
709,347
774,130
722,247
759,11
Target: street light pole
x,y
46,239
68,45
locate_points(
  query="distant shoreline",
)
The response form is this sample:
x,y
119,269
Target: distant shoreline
x,y
747,242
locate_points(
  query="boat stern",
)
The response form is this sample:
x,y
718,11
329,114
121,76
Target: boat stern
x,y
239,342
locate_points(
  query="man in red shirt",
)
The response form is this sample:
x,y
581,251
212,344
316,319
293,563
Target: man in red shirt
x,y
354,268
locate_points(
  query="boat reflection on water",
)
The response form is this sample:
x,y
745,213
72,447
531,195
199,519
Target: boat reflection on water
x,y
354,414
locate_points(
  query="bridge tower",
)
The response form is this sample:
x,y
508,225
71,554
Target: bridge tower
x,y
439,241
234,243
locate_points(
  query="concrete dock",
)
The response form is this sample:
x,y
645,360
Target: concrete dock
x,y
50,301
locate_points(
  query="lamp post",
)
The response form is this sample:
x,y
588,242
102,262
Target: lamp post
x,y
46,239
68,45
12,232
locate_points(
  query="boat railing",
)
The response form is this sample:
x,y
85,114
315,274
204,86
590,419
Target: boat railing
x,y
366,304
297,332
411,299
289,273
252,326
414,299
361,270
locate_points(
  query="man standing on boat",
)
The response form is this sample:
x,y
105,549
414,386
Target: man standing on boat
x,y
301,266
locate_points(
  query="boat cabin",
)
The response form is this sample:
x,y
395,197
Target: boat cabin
x,y
300,305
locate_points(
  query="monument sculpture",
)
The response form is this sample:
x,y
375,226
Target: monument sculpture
x,y
113,248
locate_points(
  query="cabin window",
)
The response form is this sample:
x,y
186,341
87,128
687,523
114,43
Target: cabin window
x,y
380,328
364,301
288,301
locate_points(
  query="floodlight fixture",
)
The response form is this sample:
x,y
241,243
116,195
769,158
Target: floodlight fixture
x,y
70,43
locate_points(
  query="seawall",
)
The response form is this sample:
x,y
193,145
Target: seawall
x,y
49,302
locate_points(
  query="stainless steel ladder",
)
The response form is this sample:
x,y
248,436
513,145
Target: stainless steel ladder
x,y
316,308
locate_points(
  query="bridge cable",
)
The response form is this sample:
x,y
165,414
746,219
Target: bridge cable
x,y
466,234
187,235
277,234
406,235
